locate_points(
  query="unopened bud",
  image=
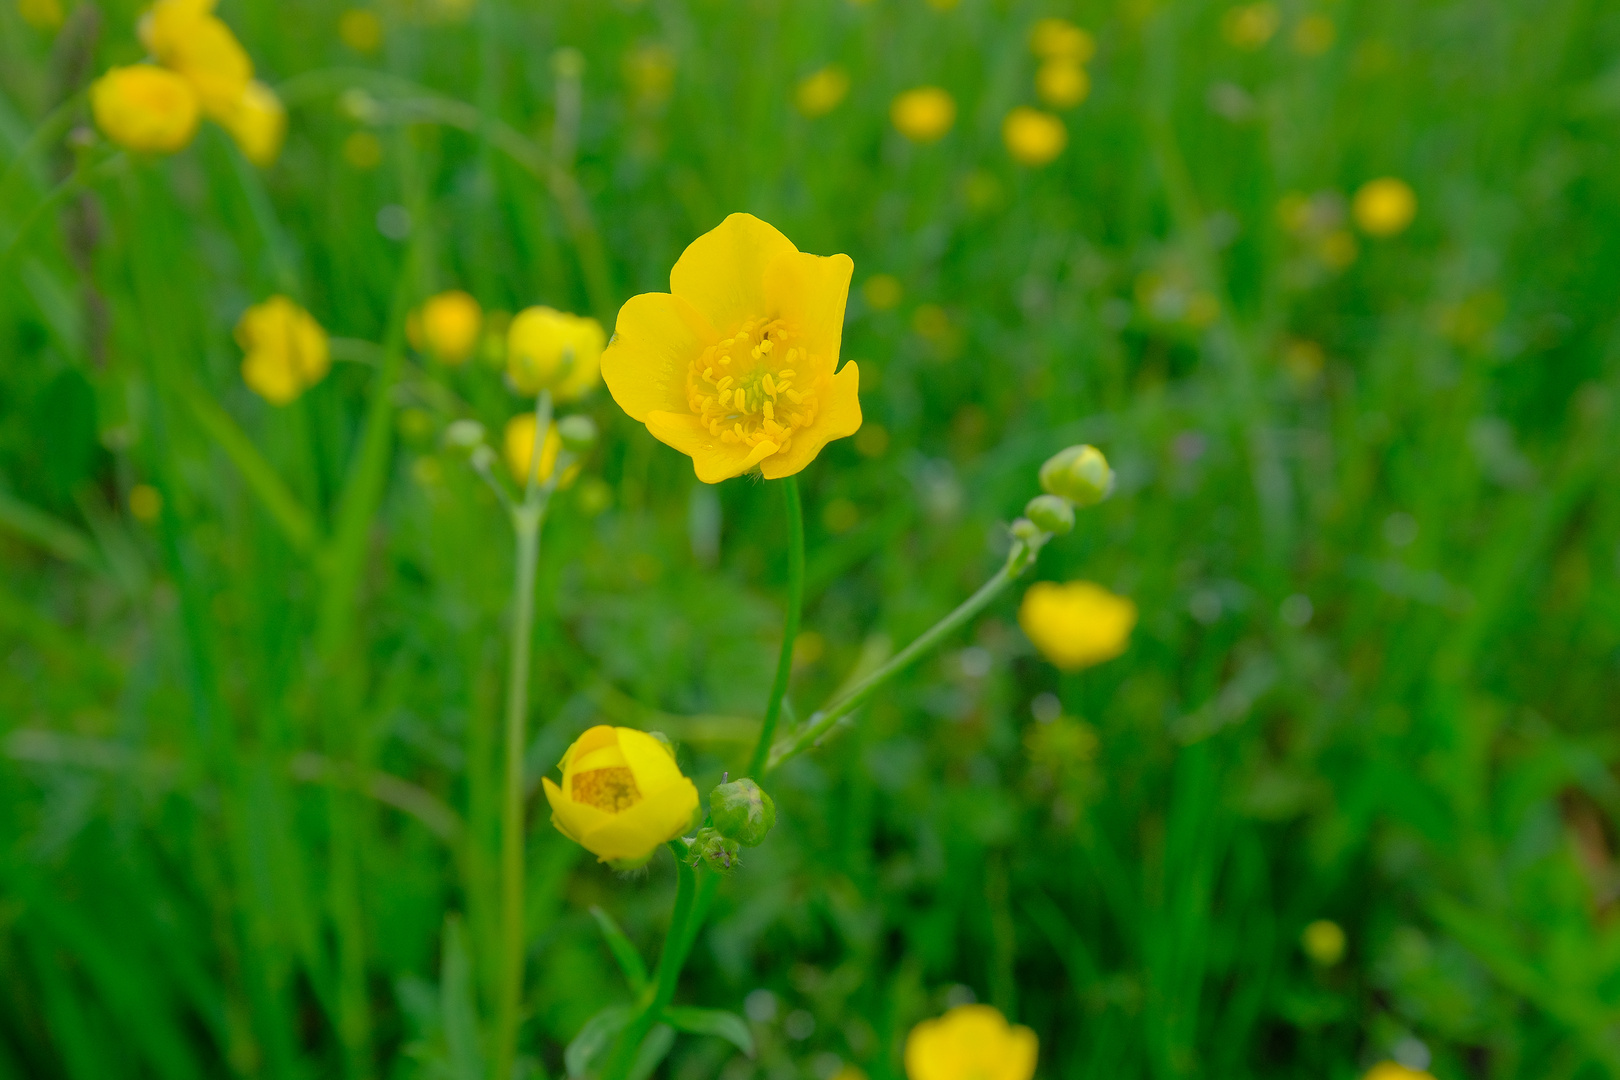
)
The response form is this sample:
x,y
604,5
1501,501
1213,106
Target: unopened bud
x,y
463,434
714,850
1026,530
1079,474
742,811
1051,513
578,432
482,457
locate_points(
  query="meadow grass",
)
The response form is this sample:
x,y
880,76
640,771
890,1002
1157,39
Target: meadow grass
x,y
250,749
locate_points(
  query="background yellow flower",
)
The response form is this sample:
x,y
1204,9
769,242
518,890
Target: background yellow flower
x,y
145,108
1078,624
185,36
287,351
923,115
1384,207
447,327
517,442
1033,137
971,1042
621,794
550,349
258,123
821,91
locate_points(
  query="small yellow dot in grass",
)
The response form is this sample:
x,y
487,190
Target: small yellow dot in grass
x,y
883,292
840,516
41,14
1323,941
145,502
1250,26
930,321
808,647
1033,138
820,92
360,30
1062,84
1384,207
363,151
1314,35
1337,249
872,440
924,114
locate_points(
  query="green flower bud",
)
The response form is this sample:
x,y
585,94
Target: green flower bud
x,y
578,432
1079,474
464,434
1051,513
742,811
714,850
1026,530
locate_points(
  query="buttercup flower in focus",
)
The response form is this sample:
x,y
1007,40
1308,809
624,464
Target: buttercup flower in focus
x,y
737,365
447,327
1076,625
287,351
621,795
145,108
550,349
1033,137
923,115
971,1042
1384,207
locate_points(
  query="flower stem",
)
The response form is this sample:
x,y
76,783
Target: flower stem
x,y
1022,555
527,517
790,630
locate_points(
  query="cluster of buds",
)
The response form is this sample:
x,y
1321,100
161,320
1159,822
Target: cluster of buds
x,y
1074,477
741,815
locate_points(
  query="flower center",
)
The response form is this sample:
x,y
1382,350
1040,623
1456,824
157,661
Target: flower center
x,y
612,789
742,389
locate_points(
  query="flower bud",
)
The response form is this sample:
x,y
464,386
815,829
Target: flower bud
x,y
742,811
714,850
549,349
1079,474
1025,530
1051,513
578,432
463,434
621,796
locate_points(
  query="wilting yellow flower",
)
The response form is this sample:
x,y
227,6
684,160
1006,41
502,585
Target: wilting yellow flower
x,y
735,365
287,351
1062,84
621,795
189,39
1323,942
821,91
1394,1070
518,444
1033,137
360,30
1251,25
923,115
1384,207
546,348
1314,35
1076,625
143,107
447,327
1059,39
258,123
41,14
971,1042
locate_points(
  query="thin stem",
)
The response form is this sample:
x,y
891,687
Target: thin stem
x,y
1022,554
670,961
790,630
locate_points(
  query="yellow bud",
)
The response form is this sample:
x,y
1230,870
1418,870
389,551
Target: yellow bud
x,y
1062,84
820,92
622,794
971,1042
518,444
1384,207
448,327
286,350
551,349
258,123
1077,625
1033,137
145,108
923,115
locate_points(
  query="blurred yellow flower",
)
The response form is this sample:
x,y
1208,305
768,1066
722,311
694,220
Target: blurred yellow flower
x,y
621,795
971,1042
447,327
821,91
286,350
735,365
1062,84
550,349
186,37
650,70
1078,624
1323,942
1251,25
41,14
145,108
1059,39
1314,35
1384,207
882,292
1033,137
1337,249
363,150
145,503
923,115
1394,1070
360,30
258,123
518,444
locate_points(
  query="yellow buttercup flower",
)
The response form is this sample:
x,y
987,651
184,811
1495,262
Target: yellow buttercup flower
x,y
447,327
145,108
621,795
971,1042
550,349
518,444
286,350
923,115
737,365
258,123
1384,207
1078,624
186,37
1062,84
1033,137
820,92
1059,39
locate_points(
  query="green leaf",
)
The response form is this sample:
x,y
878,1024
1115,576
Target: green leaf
x,y
653,1049
595,1037
457,1012
624,953
728,1026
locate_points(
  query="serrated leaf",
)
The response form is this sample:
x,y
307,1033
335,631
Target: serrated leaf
x,y
624,953
728,1026
595,1037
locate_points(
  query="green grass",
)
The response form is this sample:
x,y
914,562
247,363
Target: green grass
x,y
249,771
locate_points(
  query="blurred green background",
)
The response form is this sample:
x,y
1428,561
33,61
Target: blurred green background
x,y
1366,507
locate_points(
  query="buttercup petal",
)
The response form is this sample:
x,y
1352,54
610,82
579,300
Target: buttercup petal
x,y
635,832
655,340
594,738
713,459
572,819
722,272
840,417
649,760
809,292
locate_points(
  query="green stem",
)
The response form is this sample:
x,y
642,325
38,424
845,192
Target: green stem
x,y
1021,556
790,630
689,897
527,517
